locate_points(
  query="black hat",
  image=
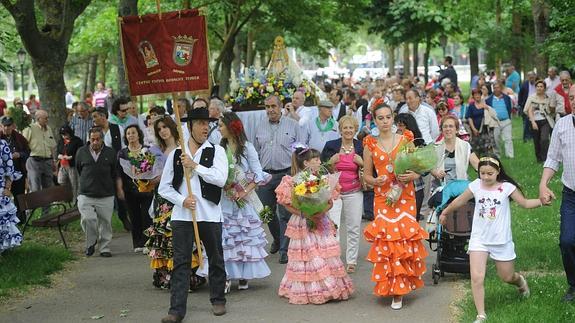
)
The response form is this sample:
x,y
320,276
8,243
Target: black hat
x,y
199,114
7,121
66,130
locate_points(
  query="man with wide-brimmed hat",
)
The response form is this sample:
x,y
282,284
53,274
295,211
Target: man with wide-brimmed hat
x,y
208,166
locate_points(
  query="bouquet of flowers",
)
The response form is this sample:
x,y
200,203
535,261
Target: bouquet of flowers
x,y
312,191
236,183
419,160
141,168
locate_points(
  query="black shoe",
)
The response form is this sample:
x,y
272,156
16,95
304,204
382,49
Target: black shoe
x,y
275,247
219,309
283,258
570,295
90,250
172,319
105,254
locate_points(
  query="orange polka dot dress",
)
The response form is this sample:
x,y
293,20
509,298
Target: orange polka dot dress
x,y
397,251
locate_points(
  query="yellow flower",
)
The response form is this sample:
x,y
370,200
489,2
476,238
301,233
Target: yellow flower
x,y
300,189
313,189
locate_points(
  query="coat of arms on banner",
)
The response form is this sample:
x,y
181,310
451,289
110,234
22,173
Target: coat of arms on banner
x,y
183,50
149,56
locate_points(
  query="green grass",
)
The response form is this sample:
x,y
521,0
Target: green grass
x,y
30,264
40,255
536,237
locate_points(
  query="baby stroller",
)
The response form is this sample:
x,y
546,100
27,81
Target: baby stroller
x,y
452,239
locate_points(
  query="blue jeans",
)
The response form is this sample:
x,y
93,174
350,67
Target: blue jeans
x,y
567,235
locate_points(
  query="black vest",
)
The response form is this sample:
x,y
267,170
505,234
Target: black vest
x,y
116,137
210,192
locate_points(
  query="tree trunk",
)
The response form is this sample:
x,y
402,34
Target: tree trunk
x,y
30,85
498,26
516,38
426,57
102,58
228,56
406,63
540,10
474,60
52,89
9,76
47,42
125,8
250,51
391,60
415,57
92,73
85,82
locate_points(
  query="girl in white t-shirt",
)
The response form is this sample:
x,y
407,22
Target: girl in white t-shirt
x,y
491,231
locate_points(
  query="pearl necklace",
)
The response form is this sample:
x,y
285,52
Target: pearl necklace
x,y
347,150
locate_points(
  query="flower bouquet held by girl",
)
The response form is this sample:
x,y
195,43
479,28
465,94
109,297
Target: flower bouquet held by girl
x,y
315,273
415,159
312,190
141,168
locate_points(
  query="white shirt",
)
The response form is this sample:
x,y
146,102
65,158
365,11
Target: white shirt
x,y
306,113
562,150
108,138
426,121
206,211
492,215
315,138
551,84
215,136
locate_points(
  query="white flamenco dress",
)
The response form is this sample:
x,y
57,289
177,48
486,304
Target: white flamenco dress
x,y
10,236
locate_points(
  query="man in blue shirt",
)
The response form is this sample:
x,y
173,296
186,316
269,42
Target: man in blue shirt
x,y
502,105
513,80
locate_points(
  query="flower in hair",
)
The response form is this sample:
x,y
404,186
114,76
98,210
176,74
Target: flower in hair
x,y
236,127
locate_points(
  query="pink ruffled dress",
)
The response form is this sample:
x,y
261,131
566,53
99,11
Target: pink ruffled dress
x,y
315,273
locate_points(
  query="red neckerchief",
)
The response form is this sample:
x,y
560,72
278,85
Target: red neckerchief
x,y
560,91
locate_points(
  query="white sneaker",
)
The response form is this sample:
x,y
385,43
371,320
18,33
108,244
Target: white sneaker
x,y
523,289
243,284
145,250
138,250
397,305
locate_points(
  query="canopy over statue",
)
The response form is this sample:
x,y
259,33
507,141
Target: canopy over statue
x,y
282,78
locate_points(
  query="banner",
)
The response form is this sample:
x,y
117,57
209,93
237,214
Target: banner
x,y
165,53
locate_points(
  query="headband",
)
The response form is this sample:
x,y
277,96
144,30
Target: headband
x,y
295,146
489,159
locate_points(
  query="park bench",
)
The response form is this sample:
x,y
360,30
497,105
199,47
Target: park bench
x,y
59,201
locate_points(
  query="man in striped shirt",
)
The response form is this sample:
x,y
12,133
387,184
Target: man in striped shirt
x,y
81,121
562,151
273,140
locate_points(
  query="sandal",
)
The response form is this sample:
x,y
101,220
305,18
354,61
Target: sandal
x,y
227,286
480,318
523,288
350,268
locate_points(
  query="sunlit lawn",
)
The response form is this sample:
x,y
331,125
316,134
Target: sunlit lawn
x,y
536,237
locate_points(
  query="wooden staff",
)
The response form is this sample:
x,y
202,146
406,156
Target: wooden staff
x,y
187,180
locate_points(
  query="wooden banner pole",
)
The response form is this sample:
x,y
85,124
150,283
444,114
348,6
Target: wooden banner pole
x,y
187,180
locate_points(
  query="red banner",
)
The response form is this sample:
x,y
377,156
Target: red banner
x,y
165,54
